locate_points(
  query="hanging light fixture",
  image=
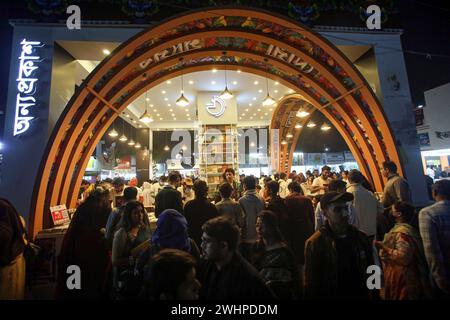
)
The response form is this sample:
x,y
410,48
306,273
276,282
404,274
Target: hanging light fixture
x,y
166,148
137,145
325,127
302,113
182,101
113,133
123,137
283,142
298,126
289,135
311,124
146,117
268,100
226,94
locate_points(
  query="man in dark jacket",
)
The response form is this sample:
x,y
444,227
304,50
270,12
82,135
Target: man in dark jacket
x,y
337,255
251,204
276,205
169,197
223,272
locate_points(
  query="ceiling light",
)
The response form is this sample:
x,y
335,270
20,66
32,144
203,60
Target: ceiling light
x,y
161,119
289,135
311,124
173,114
169,82
260,91
251,118
134,121
127,115
131,142
171,110
250,104
243,114
246,110
276,91
256,83
166,99
265,113
235,82
298,126
147,99
213,82
268,101
302,113
106,51
174,119
146,117
254,98
166,148
151,105
123,138
226,94
214,70
325,127
283,142
277,83
271,109
239,71
191,82
182,101
138,145
291,91
113,133
158,115
163,92
259,110
252,144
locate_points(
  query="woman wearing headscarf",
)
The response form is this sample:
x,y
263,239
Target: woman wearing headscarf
x,y
12,246
84,245
406,275
171,233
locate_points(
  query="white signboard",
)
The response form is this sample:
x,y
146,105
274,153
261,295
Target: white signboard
x,y
214,110
26,85
335,158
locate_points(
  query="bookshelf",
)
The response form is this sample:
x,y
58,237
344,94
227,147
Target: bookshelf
x,y
218,150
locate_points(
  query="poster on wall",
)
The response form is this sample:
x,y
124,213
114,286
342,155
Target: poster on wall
x,y
348,156
274,148
59,214
314,159
335,158
424,139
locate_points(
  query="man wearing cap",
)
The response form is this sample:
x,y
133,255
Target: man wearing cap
x,y
337,255
187,193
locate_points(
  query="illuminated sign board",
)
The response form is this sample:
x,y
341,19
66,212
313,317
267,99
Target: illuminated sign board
x,y
216,107
26,85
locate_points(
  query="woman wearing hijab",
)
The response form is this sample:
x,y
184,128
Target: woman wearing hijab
x,y
12,246
171,233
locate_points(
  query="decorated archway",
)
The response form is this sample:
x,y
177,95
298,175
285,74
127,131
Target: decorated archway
x,y
252,41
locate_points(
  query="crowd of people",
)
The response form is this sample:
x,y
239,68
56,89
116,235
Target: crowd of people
x,y
296,236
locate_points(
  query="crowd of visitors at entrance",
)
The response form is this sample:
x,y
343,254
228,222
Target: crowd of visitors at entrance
x,y
300,236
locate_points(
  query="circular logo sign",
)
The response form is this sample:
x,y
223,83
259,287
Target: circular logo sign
x,y
216,107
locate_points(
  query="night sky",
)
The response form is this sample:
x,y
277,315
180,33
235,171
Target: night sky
x,y
426,25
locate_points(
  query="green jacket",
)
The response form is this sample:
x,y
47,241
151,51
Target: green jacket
x,y
321,262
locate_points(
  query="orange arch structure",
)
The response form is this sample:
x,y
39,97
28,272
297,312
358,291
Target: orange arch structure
x,y
254,41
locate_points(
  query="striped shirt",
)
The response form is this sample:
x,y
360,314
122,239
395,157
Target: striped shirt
x,y
434,224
